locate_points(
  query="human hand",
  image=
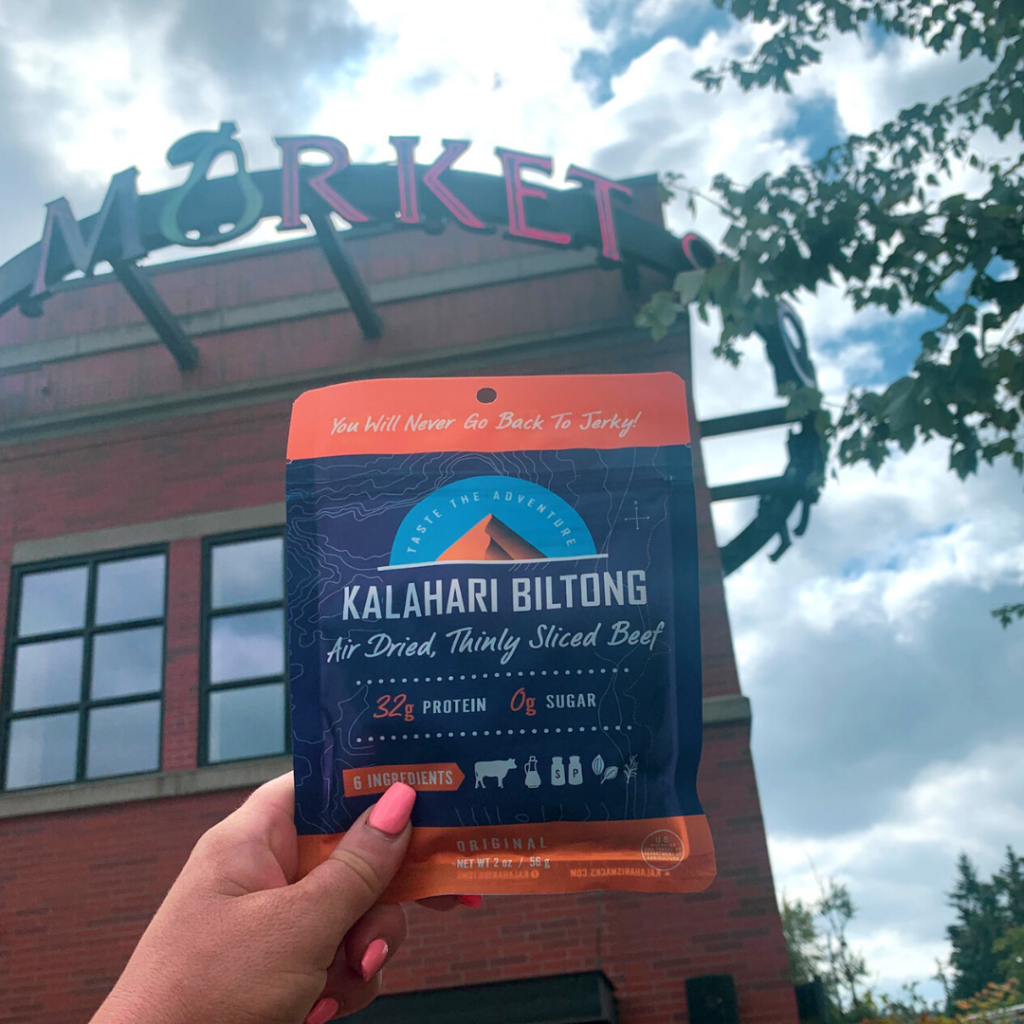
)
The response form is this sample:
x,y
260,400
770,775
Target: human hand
x,y
238,940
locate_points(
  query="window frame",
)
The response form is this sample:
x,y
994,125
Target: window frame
x,y
207,613
87,632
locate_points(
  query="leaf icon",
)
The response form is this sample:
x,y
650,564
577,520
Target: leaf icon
x,y
597,764
609,773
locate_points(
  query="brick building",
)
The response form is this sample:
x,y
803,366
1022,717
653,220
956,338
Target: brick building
x,y
131,492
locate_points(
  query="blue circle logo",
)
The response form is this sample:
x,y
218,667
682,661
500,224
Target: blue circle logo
x,y
491,519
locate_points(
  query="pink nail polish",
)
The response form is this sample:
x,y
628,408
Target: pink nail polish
x,y
323,1011
391,812
473,902
373,959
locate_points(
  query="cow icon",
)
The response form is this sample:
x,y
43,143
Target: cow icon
x,y
493,770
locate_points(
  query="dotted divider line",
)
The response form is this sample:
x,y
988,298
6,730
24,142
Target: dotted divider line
x,y
485,732
487,675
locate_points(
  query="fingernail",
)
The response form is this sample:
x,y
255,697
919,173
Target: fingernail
x,y
473,902
373,959
391,812
323,1010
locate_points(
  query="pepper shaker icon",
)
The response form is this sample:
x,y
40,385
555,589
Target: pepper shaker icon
x,y
575,772
532,775
557,772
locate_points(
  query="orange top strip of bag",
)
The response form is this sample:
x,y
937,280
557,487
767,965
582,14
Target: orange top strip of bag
x,y
490,414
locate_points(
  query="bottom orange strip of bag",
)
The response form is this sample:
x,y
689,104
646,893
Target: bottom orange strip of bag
x,y
646,855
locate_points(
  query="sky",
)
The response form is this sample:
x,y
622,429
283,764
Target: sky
x,y
888,729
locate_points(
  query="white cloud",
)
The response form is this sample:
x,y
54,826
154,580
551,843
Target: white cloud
x,y
895,866
102,125
888,710
899,597
874,667
887,703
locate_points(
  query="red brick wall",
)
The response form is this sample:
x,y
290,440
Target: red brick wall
x,y
648,946
6,542
80,887
272,274
77,888
229,459
415,328
181,665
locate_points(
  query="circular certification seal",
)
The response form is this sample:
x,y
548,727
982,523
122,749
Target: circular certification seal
x,y
663,850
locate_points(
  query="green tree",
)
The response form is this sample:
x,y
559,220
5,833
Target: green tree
x,y
879,217
1010,947
973,962
988,935
846,968
910,1006
803,944
817,945
988,1006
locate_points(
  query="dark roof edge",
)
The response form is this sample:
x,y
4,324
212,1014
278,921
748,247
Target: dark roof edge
x,y
640,179
227,256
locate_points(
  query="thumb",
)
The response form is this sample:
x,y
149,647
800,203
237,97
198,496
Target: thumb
x,y
343,888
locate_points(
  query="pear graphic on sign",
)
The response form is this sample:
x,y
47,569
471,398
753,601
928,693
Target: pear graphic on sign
x,y
201,149
490,541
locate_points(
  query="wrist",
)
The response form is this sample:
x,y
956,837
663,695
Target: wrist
x,y
130,1003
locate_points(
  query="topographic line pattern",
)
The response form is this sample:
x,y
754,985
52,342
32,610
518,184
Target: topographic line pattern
x,y
632,708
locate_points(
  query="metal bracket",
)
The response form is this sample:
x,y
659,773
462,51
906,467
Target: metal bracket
x,y
347,276
750,489
138,285
779,496
745,421
631,277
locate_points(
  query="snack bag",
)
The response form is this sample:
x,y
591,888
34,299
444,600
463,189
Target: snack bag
x,y
492,596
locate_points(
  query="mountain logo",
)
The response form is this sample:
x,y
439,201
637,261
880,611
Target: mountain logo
x,y
490,541
491,519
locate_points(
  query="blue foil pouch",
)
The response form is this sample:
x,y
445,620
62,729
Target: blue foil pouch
x,y
492,597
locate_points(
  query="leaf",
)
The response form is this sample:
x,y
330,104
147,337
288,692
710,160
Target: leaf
x,y
609,773
880,216
1005,614
597,764
688,284
733,237
749,273
802,401
900,407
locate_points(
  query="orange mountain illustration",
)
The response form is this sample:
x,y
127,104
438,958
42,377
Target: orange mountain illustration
x,y
490,541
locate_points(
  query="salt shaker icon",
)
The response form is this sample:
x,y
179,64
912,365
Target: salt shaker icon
x,y
532,775
575,772
557,772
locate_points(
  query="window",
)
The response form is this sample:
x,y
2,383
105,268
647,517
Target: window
x,y
245,711
84,670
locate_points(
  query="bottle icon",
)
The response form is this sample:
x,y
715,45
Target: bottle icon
x,y
532,775
557,772
575,772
